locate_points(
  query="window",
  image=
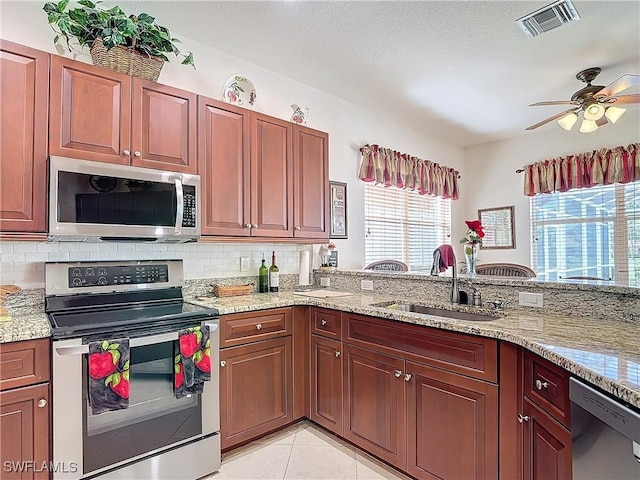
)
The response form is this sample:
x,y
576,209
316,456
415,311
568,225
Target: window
x,y
592,232
403,225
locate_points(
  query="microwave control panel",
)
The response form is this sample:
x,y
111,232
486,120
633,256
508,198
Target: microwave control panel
x,y
90,276
189,203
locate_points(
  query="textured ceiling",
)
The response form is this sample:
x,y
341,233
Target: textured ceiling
x,y
461,71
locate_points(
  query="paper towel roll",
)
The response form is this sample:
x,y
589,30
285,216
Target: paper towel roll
x,y
303,272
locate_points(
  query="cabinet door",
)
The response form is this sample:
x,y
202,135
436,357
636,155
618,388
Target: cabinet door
x,y
163,127
256,392
90,112
374,410
24,84
24,432
326,383
311,184
224,168
547,446
271,177
452,425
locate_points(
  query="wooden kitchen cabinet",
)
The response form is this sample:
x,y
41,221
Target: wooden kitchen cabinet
x,y
24,88
311,182
101,115
25,410
326,383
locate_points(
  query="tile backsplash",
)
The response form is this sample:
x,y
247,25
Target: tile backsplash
x,y
22,263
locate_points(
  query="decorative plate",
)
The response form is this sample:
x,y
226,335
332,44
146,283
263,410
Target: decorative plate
x,y
239,90
102,184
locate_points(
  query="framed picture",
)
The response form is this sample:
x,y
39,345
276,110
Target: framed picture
x,y
338,205
499,230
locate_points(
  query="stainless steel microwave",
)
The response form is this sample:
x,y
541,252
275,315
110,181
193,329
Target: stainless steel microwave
x,y
95,201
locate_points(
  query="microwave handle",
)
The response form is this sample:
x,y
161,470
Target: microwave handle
x,y
179,205
134,342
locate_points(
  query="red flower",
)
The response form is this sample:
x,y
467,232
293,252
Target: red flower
x,y
476,226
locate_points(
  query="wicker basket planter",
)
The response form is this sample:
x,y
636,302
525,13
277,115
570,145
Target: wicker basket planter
x,y
126,60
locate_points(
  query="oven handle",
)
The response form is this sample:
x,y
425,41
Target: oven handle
x,y
134,342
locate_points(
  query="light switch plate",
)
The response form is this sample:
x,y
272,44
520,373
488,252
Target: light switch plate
x,y
325,281
528,299
366,284
244,264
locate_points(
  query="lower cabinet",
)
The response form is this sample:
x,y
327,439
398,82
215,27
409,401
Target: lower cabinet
x,y
256,393
326,383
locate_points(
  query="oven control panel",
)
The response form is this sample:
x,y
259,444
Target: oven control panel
x,y
99,275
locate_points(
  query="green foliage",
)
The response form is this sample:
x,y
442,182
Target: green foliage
x,y
89,21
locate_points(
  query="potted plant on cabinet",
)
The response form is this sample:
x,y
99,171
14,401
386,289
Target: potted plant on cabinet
x,y
130,44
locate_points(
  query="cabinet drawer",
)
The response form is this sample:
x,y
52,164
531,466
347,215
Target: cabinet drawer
x,y
239,328
466,354
326,323
548,386
24,363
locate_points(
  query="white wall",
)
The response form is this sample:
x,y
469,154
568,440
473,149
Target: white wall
x,y
495,184
348,125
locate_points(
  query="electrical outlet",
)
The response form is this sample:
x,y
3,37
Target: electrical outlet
x,y
244,264
528,299
325,281
366,284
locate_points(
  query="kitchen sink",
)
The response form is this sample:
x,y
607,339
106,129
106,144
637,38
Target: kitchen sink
x,y
438,312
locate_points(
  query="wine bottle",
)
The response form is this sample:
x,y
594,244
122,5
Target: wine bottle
x,y
263,275
274,274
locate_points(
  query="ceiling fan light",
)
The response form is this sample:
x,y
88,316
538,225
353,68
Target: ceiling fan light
x,y
593,112
588,126
568,121
614,113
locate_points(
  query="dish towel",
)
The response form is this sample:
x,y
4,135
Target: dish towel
x,y
192,361
443,258
109,375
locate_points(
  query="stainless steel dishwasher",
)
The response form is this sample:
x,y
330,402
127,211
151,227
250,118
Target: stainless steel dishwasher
x,y
606,435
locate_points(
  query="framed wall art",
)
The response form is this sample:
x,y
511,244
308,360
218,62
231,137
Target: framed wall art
x,y
338,210
499,230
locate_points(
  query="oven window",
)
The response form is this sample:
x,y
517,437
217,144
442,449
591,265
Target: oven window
x,y
154,420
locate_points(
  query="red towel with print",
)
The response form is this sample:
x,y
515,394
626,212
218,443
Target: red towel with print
x,y
192,361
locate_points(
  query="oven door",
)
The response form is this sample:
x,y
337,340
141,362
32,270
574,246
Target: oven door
x,y
155,421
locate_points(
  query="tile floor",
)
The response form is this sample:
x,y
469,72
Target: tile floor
x,y
302,452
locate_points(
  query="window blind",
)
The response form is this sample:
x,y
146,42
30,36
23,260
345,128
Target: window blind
x,y
592,233
403,225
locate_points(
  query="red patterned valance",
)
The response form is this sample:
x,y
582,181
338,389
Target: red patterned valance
x,y
583,170
390,168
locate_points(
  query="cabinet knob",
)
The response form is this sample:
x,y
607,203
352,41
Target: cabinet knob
x,y
407,377
323,322
523,418
42,403
247,225
540,385
223,363
397,373
337,353
137,153
255,225
259,326
126,152
298,228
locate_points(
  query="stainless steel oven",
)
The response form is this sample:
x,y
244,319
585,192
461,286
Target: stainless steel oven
x,y
103,201
158,436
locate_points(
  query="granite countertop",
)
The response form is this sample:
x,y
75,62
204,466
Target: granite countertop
x,y
606,353
26,319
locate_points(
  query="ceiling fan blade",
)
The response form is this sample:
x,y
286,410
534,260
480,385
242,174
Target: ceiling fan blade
x,y
623,99
557,102
551,119
624,82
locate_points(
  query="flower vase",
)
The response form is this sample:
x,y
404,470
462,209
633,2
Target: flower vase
x,y
470,256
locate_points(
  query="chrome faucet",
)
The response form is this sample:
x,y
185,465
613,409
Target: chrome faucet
x,y
455,288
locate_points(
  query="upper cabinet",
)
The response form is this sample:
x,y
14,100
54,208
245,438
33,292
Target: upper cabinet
x,y
23,128
97,114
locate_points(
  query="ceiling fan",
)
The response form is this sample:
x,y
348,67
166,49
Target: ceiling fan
x,y
598,103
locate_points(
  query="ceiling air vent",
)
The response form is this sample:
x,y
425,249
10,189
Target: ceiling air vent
x,y
547,18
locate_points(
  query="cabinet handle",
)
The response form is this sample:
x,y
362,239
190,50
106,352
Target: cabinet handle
x,y
255,225
137,153
397,373
126,152
540,385
42,403
407,377
259,326
247,225
323,322
523,418
298,228
223,363
337,353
